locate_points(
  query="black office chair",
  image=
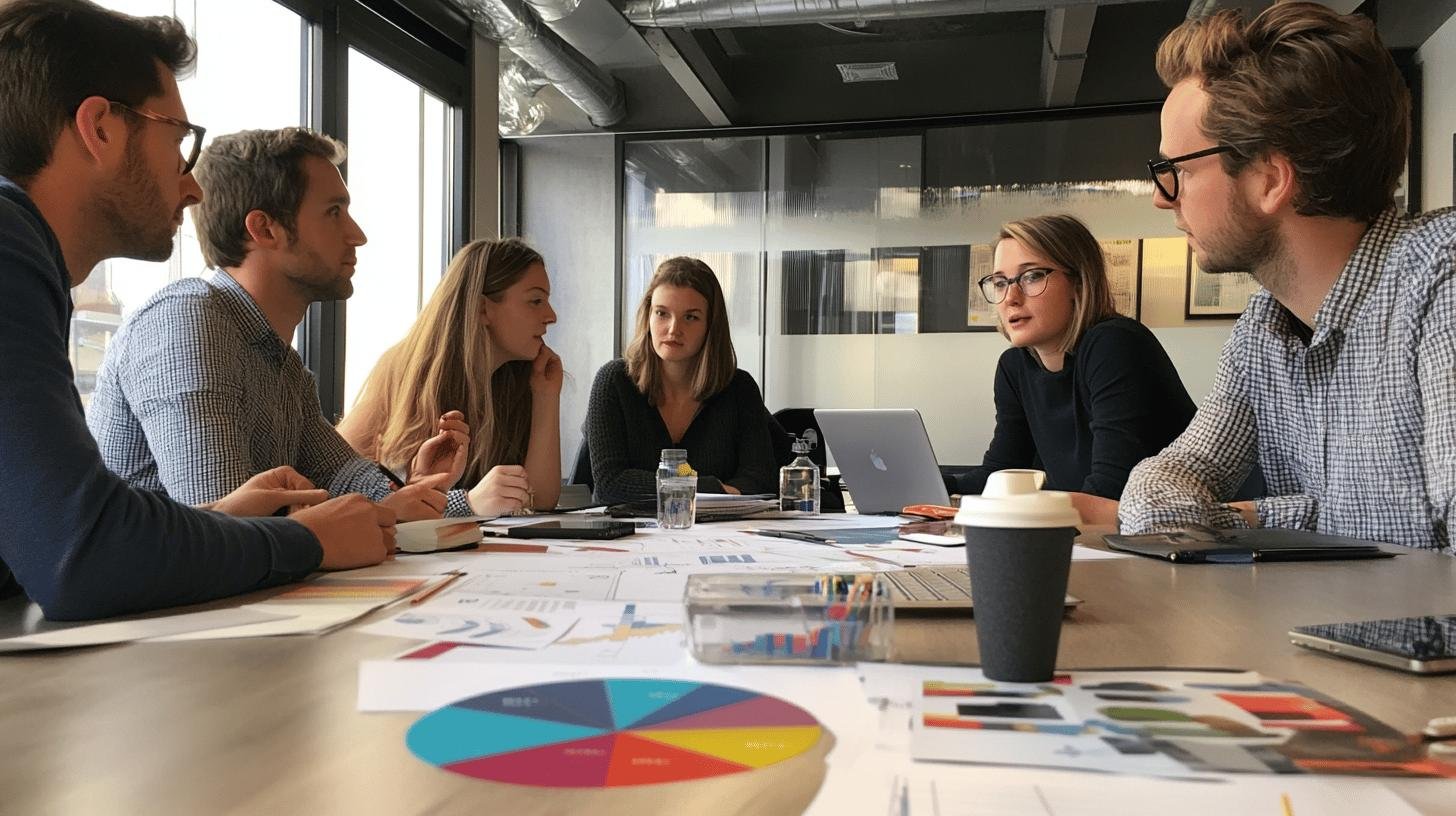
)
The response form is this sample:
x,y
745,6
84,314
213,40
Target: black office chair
x,y
790,423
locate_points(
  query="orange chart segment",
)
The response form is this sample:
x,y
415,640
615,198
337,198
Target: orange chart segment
x,y
754,747
644,762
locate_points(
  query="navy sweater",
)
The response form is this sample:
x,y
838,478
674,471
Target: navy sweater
x,y
76,539
728,441
1116,401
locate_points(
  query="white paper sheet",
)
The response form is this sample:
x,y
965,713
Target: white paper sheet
x,y
60,635
494,628
318,606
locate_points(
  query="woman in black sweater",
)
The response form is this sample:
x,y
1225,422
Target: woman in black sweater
x,y
679,386
1083,393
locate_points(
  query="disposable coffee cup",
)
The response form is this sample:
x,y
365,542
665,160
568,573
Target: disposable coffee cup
x,y
1019,547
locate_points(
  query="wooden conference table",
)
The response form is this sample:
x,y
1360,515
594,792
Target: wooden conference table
x,y
268,725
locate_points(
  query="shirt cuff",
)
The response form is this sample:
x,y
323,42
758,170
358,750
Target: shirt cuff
x,y
296,552
457,504
1298,512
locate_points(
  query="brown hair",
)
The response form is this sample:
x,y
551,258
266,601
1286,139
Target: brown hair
x,y
1065,241
254,170
54,54
444,364
1306,83
716,362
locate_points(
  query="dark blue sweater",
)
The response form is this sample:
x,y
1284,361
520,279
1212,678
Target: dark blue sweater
x,y
74,537
1116,401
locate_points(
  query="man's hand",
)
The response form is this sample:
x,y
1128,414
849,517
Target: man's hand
x,y
353,531
418,500
505,489
443,454
1095,509
546,373
268,492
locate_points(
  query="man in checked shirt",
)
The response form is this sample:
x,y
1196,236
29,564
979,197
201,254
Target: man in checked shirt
x,y
1283,140
200,389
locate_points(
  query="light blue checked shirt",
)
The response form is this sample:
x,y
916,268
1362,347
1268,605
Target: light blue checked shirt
x,y
1355,430
197,394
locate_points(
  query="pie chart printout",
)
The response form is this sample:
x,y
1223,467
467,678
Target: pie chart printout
x,y
612,733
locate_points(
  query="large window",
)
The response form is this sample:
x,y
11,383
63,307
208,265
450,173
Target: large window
x,y
274,63
221,97
400,185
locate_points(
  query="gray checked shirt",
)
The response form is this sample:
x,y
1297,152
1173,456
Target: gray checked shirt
x,y
1355,430
197,394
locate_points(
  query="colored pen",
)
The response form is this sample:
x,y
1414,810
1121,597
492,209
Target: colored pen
x,y
455,575
394,482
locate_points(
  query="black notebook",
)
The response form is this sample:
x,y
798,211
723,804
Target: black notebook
x,y
1202,545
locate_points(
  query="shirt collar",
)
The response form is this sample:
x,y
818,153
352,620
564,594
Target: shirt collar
x,y
252,323
1341,306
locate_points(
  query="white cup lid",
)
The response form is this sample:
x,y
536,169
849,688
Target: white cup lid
x,y
1014,498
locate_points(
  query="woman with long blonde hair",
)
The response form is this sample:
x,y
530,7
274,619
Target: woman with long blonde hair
x,y
478,348
1083,393
679,386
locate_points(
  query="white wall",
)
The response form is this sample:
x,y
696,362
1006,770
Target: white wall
x,y
1437,58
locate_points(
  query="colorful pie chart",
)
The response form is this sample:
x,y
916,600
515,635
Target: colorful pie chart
x,y
612,733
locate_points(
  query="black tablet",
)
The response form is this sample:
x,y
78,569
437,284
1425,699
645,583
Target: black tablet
x,y
1425,645
572,528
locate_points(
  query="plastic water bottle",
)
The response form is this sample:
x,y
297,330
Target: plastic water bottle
x,y
799,481
677,490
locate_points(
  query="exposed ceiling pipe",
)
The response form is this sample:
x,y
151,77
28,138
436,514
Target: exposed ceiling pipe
x,y
516,26
754,13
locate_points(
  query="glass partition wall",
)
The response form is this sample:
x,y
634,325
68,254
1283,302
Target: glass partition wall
x,y
849,258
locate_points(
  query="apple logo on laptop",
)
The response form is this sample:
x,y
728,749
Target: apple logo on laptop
x,y
877,461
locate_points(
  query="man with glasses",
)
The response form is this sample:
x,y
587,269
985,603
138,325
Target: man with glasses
x,y
91,124
1285,139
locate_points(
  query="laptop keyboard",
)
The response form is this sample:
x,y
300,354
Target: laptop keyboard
x,y
930,584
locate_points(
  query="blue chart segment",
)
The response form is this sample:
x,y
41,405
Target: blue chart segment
x,y
611,733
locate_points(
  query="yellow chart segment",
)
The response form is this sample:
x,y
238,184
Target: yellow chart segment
x,y
754,747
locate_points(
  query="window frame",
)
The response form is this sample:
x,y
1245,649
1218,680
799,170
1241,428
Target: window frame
x,y
429,43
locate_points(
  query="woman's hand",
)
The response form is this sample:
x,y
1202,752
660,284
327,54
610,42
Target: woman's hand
x,y
505,489
269,492
441,459
546,374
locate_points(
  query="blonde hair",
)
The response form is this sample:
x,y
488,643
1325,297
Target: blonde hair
x,y
1065,241
1307,83
716,362
444,364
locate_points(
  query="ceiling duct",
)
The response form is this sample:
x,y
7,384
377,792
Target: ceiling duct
x,y
755,13
513,24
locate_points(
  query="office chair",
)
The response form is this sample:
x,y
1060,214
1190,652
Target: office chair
x,y
581,472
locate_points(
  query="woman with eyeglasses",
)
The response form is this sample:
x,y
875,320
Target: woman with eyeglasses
x,y
1083,393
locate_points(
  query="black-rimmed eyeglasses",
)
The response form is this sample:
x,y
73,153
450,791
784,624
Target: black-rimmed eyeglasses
x,y
191,141
1032,282
1165,171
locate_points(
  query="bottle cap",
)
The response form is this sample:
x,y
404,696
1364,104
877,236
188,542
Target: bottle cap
x,y
1014,499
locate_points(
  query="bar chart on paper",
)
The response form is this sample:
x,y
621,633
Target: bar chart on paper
x,y
612,733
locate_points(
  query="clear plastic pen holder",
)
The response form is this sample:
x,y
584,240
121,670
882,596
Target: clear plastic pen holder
x,y
806,618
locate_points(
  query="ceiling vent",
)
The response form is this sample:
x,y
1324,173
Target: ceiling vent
x,y
867,71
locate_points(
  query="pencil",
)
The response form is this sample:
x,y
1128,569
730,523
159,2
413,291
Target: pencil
x,y
1284,800
435,590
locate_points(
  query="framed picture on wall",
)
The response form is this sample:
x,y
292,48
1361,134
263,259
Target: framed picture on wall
x,y
980,315
1211,296
1125,275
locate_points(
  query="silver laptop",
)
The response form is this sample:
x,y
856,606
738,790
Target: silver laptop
x,y
885,457
939,589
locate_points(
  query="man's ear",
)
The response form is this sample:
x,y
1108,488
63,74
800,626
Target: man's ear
x,y
1272,183
102,134
264,231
